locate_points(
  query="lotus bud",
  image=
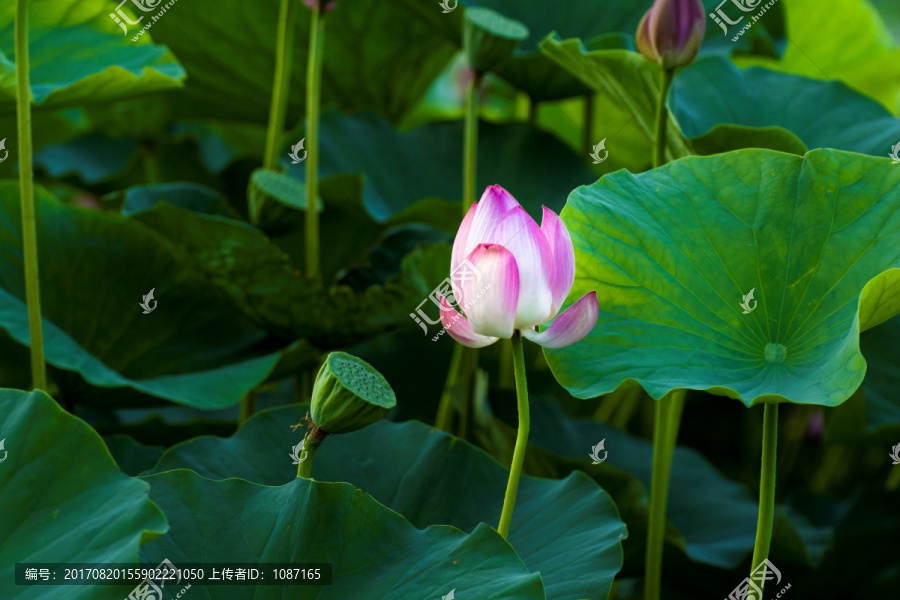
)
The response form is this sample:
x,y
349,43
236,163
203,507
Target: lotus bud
x,y
489,38
671,32
349,394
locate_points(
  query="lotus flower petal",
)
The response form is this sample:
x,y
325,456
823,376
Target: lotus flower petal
x,y
460,329
459,243
494,205
519,234
563,257
490,296
571,326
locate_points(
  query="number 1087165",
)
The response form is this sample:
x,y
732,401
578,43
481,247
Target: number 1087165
x,y
293,574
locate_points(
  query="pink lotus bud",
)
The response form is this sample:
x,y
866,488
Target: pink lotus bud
x,y
671,32
510,275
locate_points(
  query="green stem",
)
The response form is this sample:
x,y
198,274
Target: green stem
x,y
313,100
662,118
515,469
665,435
588,130
766,519
470,146
304,469
26,195
284,58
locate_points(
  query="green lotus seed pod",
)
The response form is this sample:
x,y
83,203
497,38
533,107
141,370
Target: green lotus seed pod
x,y
489,38
349,394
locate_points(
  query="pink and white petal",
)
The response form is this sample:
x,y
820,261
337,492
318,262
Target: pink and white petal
x,y
459,242
492,292
495,204
519,234
460,329
571,326
563,257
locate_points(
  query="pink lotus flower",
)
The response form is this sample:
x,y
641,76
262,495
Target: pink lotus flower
x,y
671,32
515,276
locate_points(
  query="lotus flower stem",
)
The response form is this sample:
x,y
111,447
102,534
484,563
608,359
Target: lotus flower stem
x,y
470,150
665,434
515,469
284,59
662,118
304,469
313,100
766,520
26,191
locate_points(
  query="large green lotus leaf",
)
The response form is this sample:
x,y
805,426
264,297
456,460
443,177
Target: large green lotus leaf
x,y
84,510
873,413
577,550
847,41
374,552
195,348
367,57
674,252
401,168
78,55
260,279
843,119
627,87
